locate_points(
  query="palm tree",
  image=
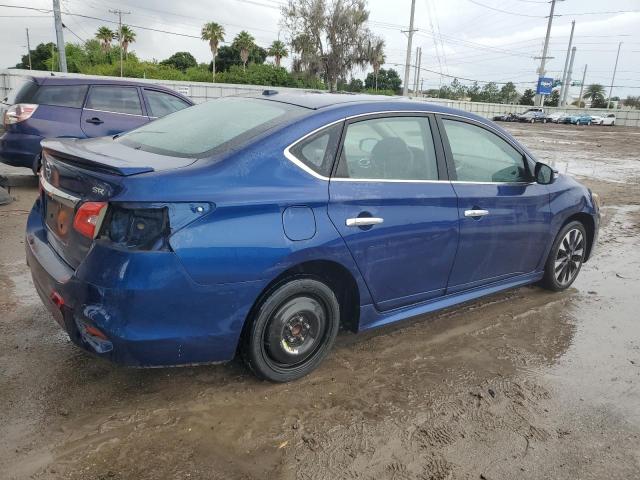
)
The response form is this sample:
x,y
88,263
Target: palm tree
x,y
213,33
245,43
105,35
278,50
594,92
375,56
127,37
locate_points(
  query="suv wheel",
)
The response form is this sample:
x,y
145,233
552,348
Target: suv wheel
x,y
566,257
292,331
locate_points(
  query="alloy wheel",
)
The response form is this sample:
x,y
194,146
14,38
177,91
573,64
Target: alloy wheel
x,y
569,257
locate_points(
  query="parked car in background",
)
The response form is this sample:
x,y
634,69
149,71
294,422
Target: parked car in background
x,y
596,119
58,107
581,119
555,117
273,220
506,117
610,120
533,115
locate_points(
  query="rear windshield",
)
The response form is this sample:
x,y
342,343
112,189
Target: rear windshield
x,y
24,93
212,126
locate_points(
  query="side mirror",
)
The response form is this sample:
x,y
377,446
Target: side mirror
x,y
544,174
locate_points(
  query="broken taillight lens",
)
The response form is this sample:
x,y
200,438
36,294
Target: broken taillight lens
x,y
19,113
89,217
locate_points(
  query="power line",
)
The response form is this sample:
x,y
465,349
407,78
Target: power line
x,y
506,11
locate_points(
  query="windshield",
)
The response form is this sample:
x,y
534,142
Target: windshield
x,y
212,126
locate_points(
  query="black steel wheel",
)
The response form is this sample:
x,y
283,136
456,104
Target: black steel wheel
x,y
292,331
566,257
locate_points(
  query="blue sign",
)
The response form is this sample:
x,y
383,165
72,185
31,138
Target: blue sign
x,y
545,85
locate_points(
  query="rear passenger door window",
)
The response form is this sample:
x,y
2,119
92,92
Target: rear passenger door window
x,y
162,103
111,109
388,148
115,99
479,155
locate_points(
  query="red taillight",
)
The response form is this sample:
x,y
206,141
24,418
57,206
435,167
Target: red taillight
x,y
88,218
19,113
57,299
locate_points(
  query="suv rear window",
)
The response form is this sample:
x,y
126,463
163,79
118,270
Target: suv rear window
x,y
61,95
24,93
203,129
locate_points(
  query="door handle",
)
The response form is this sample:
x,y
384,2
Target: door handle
x,y
363,221
476,213
94,120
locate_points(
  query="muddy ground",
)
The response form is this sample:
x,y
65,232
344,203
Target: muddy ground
x,y
525,384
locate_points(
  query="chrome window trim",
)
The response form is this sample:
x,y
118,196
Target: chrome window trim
x,y
116,113
56,192
293,159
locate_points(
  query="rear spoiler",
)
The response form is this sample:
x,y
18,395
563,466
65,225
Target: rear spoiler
x,y
67,150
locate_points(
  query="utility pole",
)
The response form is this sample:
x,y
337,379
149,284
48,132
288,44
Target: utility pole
x,y
416,78
62,55
119,13
566,63
539,100
613,79
407,65
29,49
569,73
421,86
584,75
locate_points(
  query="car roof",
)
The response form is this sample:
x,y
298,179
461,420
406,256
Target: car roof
x,y
56,80
314,100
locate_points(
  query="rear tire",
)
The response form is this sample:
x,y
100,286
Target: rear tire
x,y
566,257
292,330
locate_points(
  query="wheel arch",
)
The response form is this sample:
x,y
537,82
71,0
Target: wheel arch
x,y
589,225
335,275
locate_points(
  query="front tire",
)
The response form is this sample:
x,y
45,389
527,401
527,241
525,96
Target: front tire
x,y
566,257
292,331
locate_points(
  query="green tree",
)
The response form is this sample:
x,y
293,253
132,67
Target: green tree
x,y
329,37
105,36
245,43
595,93
553,100
474,92
181,60
630,101
375,56
386,80
126,37
213,33
278,51
457,89
39,57
508,93
490,93
229,56
527,97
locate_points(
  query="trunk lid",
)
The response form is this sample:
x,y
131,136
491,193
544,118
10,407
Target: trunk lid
x,y
77,171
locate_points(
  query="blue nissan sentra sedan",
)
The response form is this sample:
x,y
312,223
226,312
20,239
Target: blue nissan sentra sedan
x,y
263,224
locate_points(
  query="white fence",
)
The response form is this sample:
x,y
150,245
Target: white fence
x,y
201,92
